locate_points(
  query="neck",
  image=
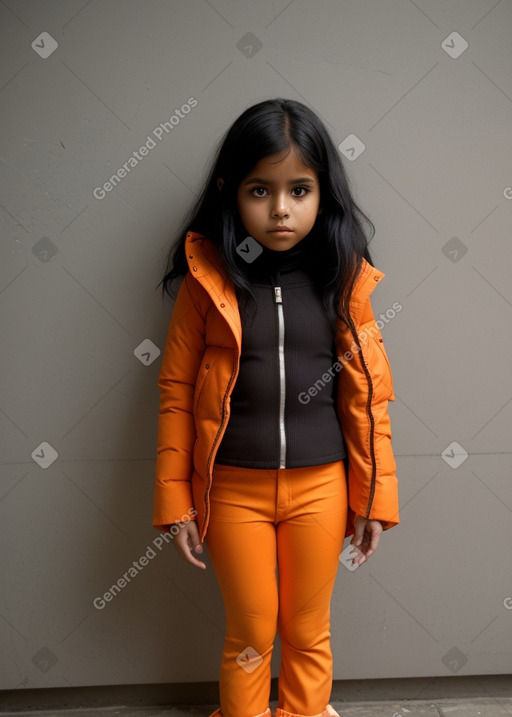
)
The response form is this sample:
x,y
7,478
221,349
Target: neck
x,y
272,260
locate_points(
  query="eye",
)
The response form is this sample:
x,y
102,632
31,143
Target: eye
x,y
256,189
304,190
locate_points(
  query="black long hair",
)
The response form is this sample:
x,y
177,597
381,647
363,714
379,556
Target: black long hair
x,y
268,128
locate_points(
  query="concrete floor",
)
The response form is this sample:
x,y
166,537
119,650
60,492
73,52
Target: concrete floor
x,y
452,707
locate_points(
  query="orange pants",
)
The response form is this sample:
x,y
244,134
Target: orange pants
x,y
292,519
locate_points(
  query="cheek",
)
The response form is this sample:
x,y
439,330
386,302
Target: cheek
x,y
310,209
251,211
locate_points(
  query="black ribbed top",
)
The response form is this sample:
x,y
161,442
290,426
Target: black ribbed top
x,y
313,433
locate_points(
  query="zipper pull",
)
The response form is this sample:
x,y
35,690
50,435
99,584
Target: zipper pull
x,y
277,295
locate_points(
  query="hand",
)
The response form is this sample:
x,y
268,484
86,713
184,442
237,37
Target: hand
x,y
366,537
187,540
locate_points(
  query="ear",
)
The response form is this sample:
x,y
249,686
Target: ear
x,y
220,183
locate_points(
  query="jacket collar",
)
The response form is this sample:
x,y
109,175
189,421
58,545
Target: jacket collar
x,y
206,266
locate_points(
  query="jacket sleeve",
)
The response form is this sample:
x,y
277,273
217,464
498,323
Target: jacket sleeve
x,y
184,349
366,386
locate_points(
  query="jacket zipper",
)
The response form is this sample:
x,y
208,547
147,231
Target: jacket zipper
x,y
370,416
209,462
278,298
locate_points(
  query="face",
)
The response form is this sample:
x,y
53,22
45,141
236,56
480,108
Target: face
x,y
279,191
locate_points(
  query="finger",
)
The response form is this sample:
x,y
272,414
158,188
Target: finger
x,y
193,533
194,561
195,545
183,546
186,554
374,542
358,556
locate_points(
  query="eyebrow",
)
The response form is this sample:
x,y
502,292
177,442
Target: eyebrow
x,y
299,180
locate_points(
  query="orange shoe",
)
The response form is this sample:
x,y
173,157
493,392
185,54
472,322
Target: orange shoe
x,y
329,711
218,713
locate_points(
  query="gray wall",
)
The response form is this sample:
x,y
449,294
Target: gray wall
x,y
82,324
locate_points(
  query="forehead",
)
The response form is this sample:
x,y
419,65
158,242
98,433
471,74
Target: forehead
x,y
282,163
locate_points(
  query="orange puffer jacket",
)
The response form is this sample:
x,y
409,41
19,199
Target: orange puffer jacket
x,y
199,368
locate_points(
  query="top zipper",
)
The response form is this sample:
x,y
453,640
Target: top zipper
x,y
278,298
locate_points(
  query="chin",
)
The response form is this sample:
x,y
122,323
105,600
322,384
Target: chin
x,y
281,243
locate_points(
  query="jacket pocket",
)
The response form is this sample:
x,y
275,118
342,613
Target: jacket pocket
x,y
202,375
377,361
207,363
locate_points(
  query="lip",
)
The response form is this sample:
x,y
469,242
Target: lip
x,y
280,230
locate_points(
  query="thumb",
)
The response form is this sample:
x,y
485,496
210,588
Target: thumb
x,y
359,527
194,537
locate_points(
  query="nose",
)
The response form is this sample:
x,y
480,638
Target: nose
x,y
280,207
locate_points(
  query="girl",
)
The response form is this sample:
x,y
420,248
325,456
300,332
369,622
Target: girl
x,y
274,440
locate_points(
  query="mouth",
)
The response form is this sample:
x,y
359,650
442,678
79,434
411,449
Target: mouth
x,y
281,230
